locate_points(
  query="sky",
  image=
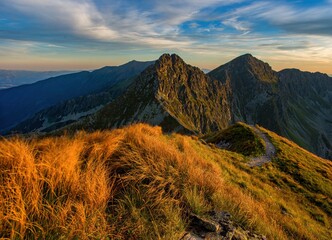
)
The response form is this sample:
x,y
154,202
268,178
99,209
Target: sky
x,y
89,34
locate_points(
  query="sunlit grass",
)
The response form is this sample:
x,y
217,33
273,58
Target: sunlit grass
x,y
136,183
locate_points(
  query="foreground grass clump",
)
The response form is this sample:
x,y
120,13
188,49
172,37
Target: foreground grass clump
x,y
136,183
238,138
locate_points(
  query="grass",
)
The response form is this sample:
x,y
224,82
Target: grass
x,y
137,183
240,138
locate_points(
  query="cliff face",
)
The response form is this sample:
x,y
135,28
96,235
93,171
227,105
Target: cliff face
x,y
252,87
197,102
307,110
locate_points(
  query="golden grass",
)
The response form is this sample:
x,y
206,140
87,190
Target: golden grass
x,y
136,183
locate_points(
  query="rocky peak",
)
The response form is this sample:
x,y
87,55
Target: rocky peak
x,y
167,61
249,68
175,76
247,60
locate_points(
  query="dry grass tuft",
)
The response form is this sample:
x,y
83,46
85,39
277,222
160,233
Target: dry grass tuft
x,y
136,183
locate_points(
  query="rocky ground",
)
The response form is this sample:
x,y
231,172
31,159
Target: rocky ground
x,y
217,226
270,150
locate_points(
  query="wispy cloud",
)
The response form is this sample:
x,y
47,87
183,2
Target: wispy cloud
x,y
193,27
156,25
315,20
238,25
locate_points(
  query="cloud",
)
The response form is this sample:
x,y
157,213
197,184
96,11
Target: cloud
x,y
150,23
296,19
316,20
235,23
76,17
140,23
210,27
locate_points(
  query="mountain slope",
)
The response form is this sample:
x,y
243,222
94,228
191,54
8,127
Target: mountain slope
x,y
171,94
175,95
136,183
253,97
307,110
17,104
180,97
292,103
71,110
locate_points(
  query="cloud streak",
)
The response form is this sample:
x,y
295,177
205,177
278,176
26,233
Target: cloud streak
x,y
192,27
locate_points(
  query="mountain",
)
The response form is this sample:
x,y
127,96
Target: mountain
x,y
293,103
20,103
307,110
205,70
13,78
171,94
180,97
252,90
138,183
71,110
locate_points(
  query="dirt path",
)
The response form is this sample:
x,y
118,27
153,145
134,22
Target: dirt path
x,y
270,150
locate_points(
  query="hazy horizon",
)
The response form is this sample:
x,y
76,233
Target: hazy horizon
x,y
89,34
98,67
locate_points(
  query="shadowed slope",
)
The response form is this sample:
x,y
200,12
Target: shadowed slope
x,y
19,103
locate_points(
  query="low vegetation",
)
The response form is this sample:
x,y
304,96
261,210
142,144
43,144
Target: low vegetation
x,y
137,183
238,138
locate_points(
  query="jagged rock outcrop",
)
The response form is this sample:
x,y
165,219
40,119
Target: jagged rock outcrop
x,y
177,96
198,102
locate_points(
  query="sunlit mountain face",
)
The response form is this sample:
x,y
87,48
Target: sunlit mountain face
x,y
88,34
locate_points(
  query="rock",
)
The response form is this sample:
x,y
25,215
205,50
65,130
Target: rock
x,y
213,236
208,224
218,226
191,236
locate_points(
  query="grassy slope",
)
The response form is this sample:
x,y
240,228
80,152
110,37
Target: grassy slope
x,y
240,138
136,183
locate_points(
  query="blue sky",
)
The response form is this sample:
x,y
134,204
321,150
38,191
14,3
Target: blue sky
x,y
87,34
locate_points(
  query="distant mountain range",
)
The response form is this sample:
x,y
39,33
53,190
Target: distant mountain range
x,y
22,102
13,78
205,70
180,97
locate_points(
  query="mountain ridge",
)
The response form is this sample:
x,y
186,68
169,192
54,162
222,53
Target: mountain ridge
x,y
20,103
13,78
180,97
162,96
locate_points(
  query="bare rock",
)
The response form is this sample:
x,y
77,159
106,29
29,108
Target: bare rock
x,y
218,226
